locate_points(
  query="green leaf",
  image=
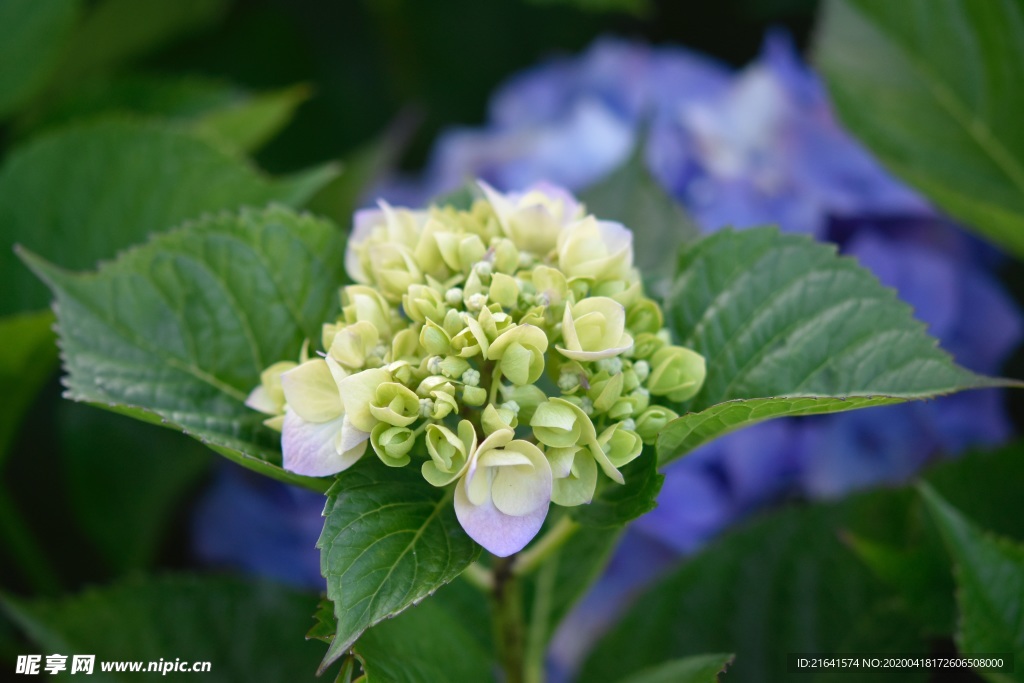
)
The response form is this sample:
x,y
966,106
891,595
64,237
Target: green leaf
x,y
990,585
177,331
252,122
27,358
783,320
427,643
82,193
112,465
631,196
695,669
247,631
615,504
936,88
238,118
32,33
785,583
388,542
118,31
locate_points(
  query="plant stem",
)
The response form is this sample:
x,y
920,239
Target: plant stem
x,y
533,558
507,615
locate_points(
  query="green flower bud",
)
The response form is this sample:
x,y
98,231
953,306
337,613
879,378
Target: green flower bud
x,y
506,256
449,453
360,303
652,421
453,367
527,397
626,291
353,344
434,339
605,392
392,444
422,303
474,396
677,372
646,345
395,404
520,352
556,424
599,250
504,290
406,346
644,316
394,269
494,419
575,475
594,328
621,446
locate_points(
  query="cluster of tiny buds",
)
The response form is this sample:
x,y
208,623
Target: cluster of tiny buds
x,y
506,349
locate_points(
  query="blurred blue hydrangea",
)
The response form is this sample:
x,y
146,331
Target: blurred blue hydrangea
x,y
757,146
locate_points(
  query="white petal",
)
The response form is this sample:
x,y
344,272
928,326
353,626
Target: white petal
x,y
259,399
498,533
309,447
596,355
311,391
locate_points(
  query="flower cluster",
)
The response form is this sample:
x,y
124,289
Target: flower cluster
x,y
507,349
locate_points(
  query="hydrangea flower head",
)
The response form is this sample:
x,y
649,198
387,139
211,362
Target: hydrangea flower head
x,y
492,348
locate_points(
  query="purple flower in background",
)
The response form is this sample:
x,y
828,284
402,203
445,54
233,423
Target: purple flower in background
x,y
250,523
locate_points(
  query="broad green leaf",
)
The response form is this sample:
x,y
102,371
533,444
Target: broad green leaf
x,y
247,631
936,88
112,465
615,504
695,669
238,118
914,561
252,122
388,542
424,644
27,357
631,196
783,320
82,193
177,331
115,32
990,586
785,583
32,34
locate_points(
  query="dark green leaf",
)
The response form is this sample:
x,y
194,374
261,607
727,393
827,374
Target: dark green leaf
x,y
252,122
783,584
324,623
990,585
427,643
615,504
27,358
178,331
695,669
83,193
118,31
32,34
631,196
936,88
238,118
247,631
783,320
113,465
388,542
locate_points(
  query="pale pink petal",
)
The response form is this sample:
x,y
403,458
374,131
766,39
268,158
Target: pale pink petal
x,y
498,533
309,448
